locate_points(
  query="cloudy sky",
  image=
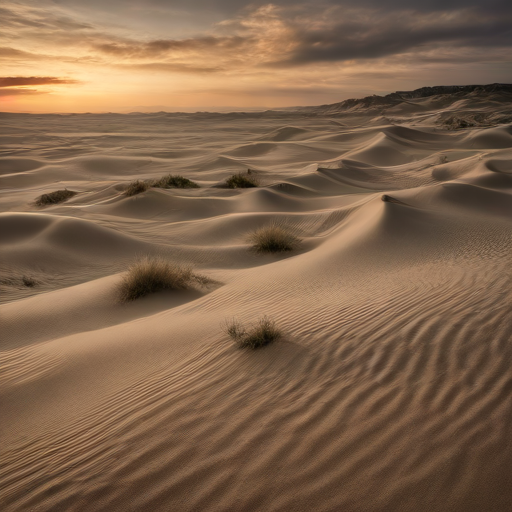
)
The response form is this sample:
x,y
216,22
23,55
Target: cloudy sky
x,y
120,55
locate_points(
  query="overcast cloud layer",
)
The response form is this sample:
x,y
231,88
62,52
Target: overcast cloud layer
x,y
204,52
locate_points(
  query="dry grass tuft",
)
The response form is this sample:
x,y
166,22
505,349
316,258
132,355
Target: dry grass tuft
x,y
136,187
174,181
28,281
17,281
274,238
153,274
243,180
59,196
256,336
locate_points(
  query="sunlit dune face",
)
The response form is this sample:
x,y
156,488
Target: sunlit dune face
x,y
67,57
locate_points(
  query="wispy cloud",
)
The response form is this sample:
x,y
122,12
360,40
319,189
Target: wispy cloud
x,y
165,47
16,81
13,53
19,17
19,85
21,92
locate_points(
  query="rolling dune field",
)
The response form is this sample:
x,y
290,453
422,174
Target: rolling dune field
x,y
391,388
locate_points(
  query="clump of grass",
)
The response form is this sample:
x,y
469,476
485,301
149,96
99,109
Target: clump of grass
x,y
256,336
242,180
136,187
153,274
29,282
59,196
18,281
274,238
174,181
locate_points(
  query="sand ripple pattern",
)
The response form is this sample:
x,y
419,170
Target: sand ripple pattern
x,y
391,390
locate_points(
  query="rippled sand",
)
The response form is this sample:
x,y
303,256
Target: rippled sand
x,y
392,388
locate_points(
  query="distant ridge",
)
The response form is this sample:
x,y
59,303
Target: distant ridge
x,y
424,92
499,92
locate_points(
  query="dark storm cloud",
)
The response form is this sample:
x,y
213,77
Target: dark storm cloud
x,y
423,5
17,81
370,38
228,7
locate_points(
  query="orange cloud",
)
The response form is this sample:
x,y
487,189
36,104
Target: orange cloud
x,y
20,92
17,81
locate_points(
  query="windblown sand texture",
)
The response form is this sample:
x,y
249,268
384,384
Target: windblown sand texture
x,y
391,389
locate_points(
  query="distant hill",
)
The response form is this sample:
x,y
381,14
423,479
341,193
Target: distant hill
x,y
423,98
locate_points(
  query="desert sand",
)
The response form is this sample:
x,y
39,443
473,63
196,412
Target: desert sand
x,y
391,389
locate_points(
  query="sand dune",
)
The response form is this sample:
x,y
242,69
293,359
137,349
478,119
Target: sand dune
x,y
391,388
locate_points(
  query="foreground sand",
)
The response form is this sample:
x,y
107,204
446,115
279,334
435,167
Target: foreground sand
x,y
392,389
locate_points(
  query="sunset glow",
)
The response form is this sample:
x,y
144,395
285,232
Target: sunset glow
x,y
72,56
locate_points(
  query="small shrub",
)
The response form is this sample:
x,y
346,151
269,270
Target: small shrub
x,y
136,187
256,336
174,181
18,281
153,274
242,180
59,196
29,282
274,238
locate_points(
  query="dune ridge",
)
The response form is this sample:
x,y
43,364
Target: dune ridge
x,y
390,389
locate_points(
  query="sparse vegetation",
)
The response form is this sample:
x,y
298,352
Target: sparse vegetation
x,y
242,180
136,187
390,199
274,238
59,196
258,335
153,274
29,282
18,281
465,119
174,181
